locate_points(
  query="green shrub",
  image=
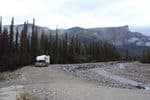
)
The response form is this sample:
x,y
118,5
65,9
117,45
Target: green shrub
x,y
2,77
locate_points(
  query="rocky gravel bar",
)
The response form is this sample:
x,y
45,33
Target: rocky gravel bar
x,y
112,70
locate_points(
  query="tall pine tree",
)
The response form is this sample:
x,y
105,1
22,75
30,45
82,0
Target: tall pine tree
x,y
11,38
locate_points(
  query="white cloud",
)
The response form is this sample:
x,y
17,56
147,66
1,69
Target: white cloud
x,y
84,13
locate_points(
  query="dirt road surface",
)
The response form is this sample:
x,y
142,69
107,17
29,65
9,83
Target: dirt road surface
x,y
50,83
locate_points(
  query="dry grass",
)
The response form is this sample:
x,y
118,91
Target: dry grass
x,y
25,96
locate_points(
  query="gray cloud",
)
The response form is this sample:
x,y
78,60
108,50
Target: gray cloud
x,y
84,13
83,6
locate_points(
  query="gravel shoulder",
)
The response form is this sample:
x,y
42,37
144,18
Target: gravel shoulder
x,y
129,75
56,82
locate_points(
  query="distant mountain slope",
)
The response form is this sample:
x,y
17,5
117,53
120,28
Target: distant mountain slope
x,y
20,27
118,36
121,36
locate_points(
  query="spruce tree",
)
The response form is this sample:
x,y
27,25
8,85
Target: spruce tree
x,y
23,46
50,42
0,25
34,42
16,41
1,36
42,43
127,55
5,61
11,38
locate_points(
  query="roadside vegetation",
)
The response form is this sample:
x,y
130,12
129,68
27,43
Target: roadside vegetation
x,y
2,77
145,58
25,96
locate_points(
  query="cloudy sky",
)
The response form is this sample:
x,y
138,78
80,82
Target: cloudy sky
x,y
83,13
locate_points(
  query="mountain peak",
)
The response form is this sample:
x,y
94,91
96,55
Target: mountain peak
x,y
76,28
125,27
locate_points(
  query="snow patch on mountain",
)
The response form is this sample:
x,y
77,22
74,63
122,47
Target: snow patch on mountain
x,y
140,43
147,44
133,39
96,34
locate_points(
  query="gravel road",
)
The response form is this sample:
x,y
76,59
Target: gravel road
x,y
51,83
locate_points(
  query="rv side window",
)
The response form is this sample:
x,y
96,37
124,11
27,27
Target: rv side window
x,y
41,61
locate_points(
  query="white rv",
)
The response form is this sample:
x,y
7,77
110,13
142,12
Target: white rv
x,y
42,60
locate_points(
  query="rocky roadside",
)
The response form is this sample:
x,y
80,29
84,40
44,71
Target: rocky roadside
x,y
84,71
10,78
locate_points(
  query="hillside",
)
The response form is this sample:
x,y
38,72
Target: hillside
x,y
121,36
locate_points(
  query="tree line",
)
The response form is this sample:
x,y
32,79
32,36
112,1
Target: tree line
x,y
18,49
145,57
